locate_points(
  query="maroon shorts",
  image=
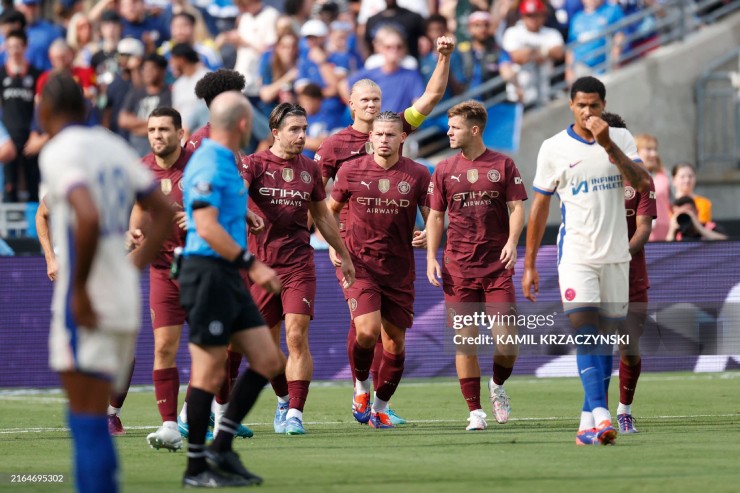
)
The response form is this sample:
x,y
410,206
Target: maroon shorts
x,y
640,296
469,296
164,299
297,296
395,304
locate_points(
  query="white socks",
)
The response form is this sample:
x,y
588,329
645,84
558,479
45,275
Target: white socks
x,y
624,408
379,405
587,421
363,387
294,413
601,414
114,410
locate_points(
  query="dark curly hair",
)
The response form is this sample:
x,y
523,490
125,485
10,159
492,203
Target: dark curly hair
x,y
588,85
215,83
613,120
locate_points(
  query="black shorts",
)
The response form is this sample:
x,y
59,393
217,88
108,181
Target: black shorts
x,y
216,301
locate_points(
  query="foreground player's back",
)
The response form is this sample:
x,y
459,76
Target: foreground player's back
x,y
109,168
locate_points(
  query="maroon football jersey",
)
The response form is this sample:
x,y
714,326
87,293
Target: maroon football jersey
x,y
281,191
344,146
170,182
475,193
202,133
638,204
382,213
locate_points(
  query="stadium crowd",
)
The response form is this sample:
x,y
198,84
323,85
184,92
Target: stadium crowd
x,y
132,56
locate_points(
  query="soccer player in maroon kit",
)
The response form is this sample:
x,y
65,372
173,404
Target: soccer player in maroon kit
x,y
641,210
167,162
382,192
211,85
351,143
483,193
283,187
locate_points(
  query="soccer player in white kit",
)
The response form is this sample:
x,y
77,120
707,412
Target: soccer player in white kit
x,y
586,165
92,179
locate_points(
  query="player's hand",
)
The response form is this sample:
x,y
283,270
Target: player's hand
x,y
51,268
82,309
335,260
434,272
531,283
256,223
265,276
348,270
508,255
445,45
419,240
181,219
134,239
600,130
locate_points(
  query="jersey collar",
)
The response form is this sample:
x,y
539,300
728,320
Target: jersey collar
x,y
573,134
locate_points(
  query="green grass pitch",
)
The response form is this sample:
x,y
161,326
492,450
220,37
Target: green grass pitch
x,y
689,440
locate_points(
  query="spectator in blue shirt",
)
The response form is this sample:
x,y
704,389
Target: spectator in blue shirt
x,y
41,34
400,86
588,27
138,24
182,29
436,26
278,72
321,121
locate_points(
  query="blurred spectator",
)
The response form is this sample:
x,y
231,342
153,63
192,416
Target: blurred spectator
x,y
141,101
66,9
370,8
483,59
138,24
684,182
316,67
299,11
645,31
130,54
534,48
284,25
409,24
8,153
562,13
104,61
182,29
686,226
17,98
436,26
647,148
188,69
80,39
588,27
254,34
62,60
278,70
10,20
338,46
400,87
41,33
321,122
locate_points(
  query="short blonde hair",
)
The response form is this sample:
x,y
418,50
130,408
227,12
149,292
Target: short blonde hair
x,y
472,111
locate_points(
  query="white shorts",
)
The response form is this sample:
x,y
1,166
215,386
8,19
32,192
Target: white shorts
x,y
595,287
103,353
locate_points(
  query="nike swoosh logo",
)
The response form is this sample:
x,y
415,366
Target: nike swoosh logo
x,y
573,165
586,369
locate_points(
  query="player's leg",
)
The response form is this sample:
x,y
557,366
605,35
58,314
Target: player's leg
x,y
363,298
501,299
166,380
218,408
630,363
581,295
265,362
463,297
115,427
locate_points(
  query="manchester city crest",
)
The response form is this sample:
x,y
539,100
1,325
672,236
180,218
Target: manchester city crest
x,y
494,175
404,187
629,193
305,177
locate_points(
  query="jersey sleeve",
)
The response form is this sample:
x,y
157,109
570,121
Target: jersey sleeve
x,y
437,195
515,189
326,161
319,192
247,169
204,187
628,145
647,204
545,179
61,172
425,178
142,178
341,192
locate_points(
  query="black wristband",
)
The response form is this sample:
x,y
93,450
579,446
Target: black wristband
x,y
244,260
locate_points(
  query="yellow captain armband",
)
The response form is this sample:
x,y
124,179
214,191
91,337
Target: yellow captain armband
x,y
413,116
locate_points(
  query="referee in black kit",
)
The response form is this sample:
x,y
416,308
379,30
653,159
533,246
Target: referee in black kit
x,y
219,307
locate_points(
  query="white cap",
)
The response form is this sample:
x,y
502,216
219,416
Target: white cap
x,y
131,46
314,27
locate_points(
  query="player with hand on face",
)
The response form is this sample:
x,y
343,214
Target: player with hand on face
x,y
586,165
382,192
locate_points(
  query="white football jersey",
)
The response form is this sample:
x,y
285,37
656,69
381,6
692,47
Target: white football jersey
x,y
107,166
591,191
